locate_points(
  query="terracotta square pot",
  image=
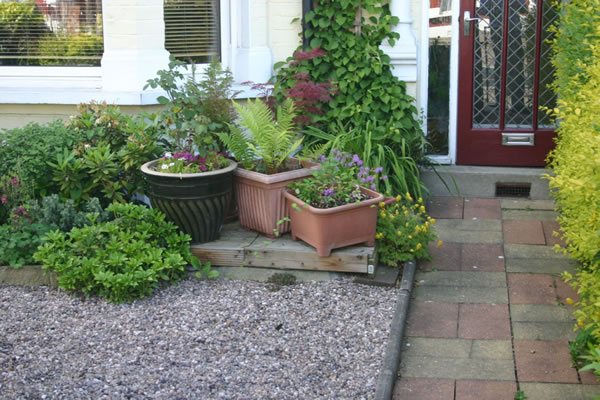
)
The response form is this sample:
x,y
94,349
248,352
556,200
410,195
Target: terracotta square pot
x,y
331,228
260,198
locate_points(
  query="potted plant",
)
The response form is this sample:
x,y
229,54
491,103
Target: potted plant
x,y
192,183
263,144
331,209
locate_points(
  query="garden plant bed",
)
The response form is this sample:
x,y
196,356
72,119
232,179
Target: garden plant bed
x,y
238,247
200,339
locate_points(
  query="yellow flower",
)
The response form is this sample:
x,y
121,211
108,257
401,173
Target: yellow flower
x,y
382,214
432,220
580,323
405,212
419,245
392,217
439,243
420,200
399,233
570,301
412,250
410,236
381,204
422,209
398,198
379,236
408,196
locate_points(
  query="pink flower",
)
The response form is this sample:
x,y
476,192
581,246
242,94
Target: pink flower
x,y
3,199
14,181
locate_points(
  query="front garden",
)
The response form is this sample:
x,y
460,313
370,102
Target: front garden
x,y
75,194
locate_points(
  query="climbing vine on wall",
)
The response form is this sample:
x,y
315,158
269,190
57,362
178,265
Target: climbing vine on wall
x,y
350,33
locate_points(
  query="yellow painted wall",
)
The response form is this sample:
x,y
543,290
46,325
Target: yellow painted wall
x,y
16,115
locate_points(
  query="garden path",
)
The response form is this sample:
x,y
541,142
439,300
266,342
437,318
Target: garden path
x,y
489,314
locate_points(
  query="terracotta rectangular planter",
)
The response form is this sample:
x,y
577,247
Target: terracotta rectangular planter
x,y
260,198
331,228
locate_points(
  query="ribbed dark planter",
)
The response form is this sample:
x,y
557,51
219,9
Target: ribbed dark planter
x,y
196,203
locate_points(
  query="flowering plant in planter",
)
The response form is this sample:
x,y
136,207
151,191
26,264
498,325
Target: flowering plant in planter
x,y
184,162
404,230
337,182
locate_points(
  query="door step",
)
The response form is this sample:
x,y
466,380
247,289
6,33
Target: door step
x,y
472,181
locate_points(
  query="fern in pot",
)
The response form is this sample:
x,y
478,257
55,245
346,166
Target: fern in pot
x,y
262,143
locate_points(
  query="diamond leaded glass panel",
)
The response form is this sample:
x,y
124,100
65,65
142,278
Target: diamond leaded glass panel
x,y
487,67
546,96
520,64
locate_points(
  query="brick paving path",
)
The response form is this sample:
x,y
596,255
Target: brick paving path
x,y
488,315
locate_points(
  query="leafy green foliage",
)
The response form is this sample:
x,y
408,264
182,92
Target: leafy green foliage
x,y
106,163
366,90
376,149
574,162
196,110
17,244
14,192
269,138
122,259
345,38
65,215
403,231
28,149
28,223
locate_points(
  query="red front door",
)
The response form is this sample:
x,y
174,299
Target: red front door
x,y
504,72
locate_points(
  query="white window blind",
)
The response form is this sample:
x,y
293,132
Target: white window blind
x,y
51,32
192,30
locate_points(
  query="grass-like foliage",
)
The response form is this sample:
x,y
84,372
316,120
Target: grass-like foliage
x,y
121,259
263,136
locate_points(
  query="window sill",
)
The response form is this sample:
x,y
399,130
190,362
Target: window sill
x,y
66,95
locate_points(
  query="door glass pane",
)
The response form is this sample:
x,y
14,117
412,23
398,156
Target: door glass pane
x,y
546,96
438,92
520,63
487,62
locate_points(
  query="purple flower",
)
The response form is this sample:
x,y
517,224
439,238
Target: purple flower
x,y
328,192
378,169
364,180
370,178
384,177
357,160
373,186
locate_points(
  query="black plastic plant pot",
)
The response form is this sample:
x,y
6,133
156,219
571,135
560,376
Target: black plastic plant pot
x,y
197,203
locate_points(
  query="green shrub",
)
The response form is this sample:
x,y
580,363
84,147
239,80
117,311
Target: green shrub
x,y
30,147
574,162
122,259
18,244
106,162
28,223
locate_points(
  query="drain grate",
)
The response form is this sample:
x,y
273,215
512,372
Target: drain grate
x,y
513,189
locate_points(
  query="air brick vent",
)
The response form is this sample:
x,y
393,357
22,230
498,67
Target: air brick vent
x,y
513,189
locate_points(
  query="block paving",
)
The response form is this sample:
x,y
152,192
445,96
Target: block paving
x,y
489,314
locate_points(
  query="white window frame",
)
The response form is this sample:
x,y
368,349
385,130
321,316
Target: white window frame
x,y
74,85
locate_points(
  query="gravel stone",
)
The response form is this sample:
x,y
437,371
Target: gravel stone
x,y
213,339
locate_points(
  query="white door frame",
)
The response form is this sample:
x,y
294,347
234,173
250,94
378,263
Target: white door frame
x,y
422,85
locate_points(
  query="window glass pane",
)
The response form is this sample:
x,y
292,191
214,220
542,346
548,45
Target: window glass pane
x,y
51,32
438,93
192,30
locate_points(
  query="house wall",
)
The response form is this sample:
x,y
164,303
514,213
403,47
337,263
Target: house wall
x,y
265,35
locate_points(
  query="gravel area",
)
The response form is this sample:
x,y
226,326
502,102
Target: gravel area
x,y
199,340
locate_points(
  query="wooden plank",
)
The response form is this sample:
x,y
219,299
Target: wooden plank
x,y
229,249
286,253
238,247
